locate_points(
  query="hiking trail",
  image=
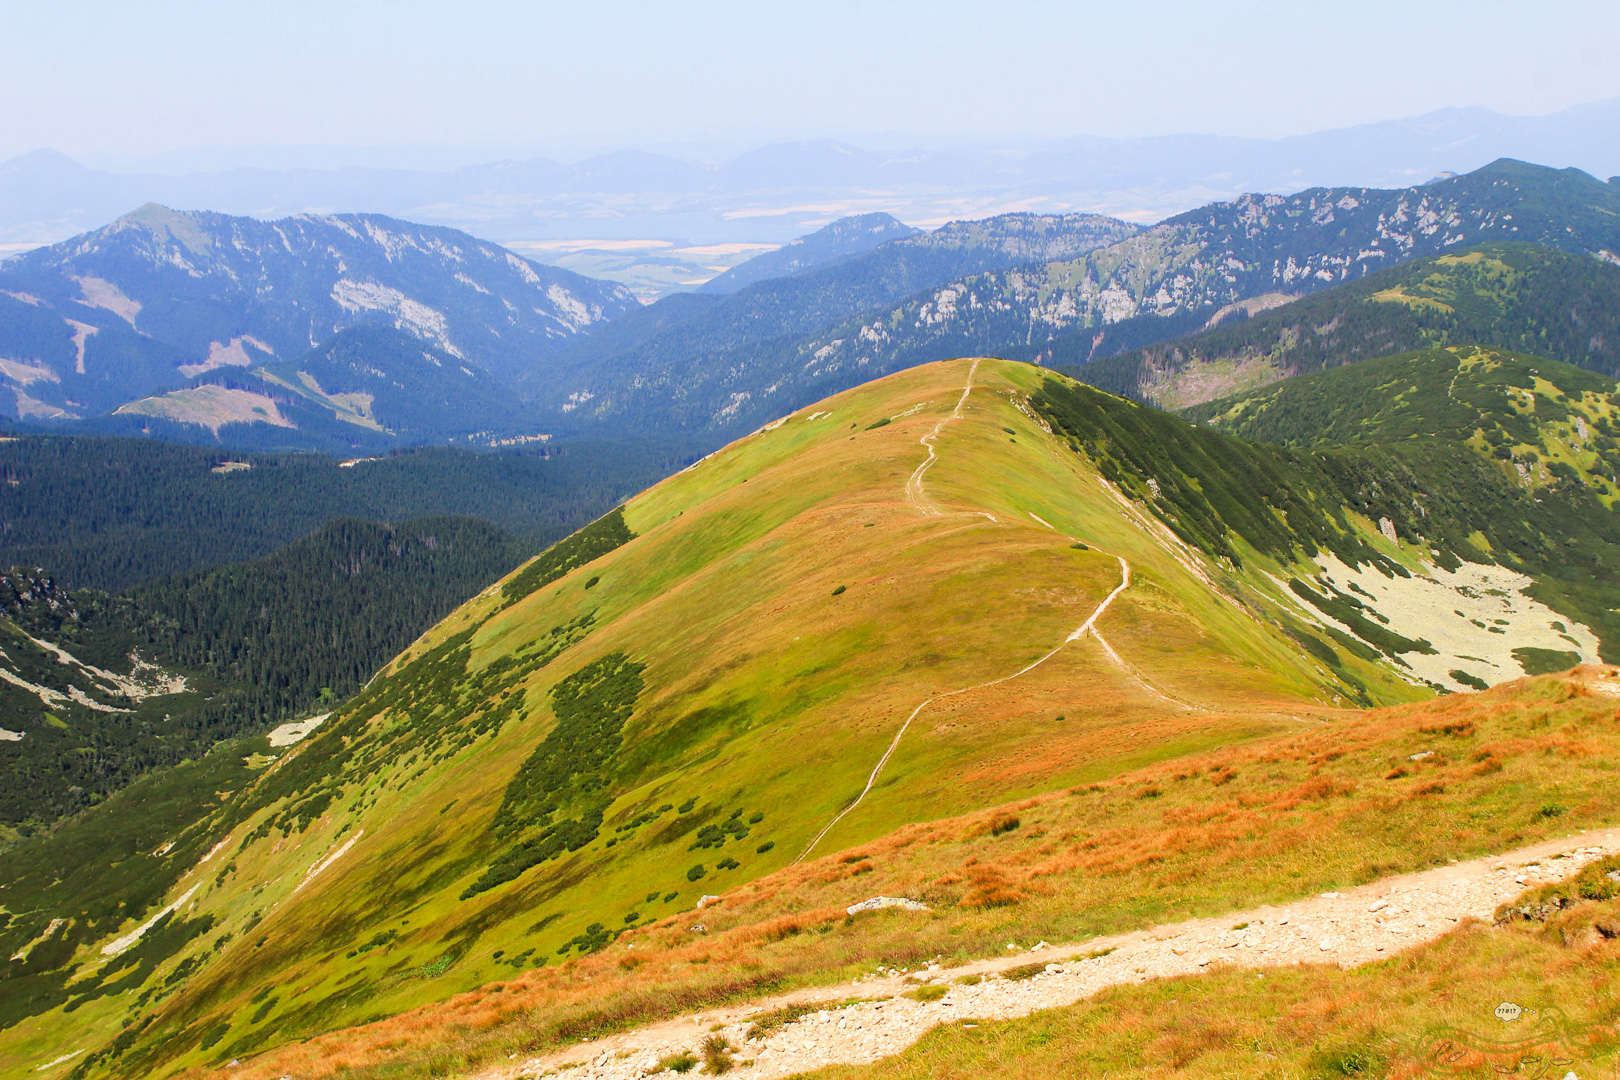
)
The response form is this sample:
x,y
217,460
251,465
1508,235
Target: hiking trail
x,y
1349,928
917,495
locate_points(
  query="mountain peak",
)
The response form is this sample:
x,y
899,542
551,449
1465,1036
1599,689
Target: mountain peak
x,y
163,222
842,239
41,160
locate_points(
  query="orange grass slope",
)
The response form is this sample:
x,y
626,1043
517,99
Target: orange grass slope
x,y
906,603
1368,796
1428,1012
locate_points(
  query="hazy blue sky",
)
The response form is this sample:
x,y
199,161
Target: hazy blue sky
x,y
104,79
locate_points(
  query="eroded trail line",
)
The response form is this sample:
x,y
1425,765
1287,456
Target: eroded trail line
x,y
1139,679
1089,625
894,745
914,486
915,493
1347,928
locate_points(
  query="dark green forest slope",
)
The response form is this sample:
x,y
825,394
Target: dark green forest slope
x,y
256,643
1512,407
261,579
111,513
1477,454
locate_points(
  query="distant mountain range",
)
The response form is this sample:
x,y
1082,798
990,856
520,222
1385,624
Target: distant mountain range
x,y
781,191
356,332
1150,285
663,340
217,306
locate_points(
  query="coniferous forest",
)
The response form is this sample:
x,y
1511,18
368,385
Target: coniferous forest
x,y
272,588
111,513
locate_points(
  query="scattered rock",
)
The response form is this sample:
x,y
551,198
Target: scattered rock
x,y
877,903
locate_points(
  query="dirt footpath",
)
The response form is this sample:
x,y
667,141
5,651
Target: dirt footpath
x,y
1348,928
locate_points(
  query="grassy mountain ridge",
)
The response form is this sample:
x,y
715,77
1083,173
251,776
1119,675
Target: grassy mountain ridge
x,y
1204,834
699,736
1509,296
684,699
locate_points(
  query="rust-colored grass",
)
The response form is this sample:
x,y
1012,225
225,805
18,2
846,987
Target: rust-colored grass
x,y
1428,1012
1272,820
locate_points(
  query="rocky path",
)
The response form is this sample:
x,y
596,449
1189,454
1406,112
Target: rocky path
x,y
1345,928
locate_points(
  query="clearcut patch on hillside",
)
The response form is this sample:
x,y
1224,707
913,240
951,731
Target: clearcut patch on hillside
x,y
209,406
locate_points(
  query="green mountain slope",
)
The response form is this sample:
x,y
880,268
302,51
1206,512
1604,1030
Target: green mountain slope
x,y
1160,283
1510,407
983,580
1509,296
1524,448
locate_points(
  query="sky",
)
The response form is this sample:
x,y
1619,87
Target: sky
x,y
113,81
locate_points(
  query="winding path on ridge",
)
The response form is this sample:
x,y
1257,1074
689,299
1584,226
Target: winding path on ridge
x,y
914,486
917,495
